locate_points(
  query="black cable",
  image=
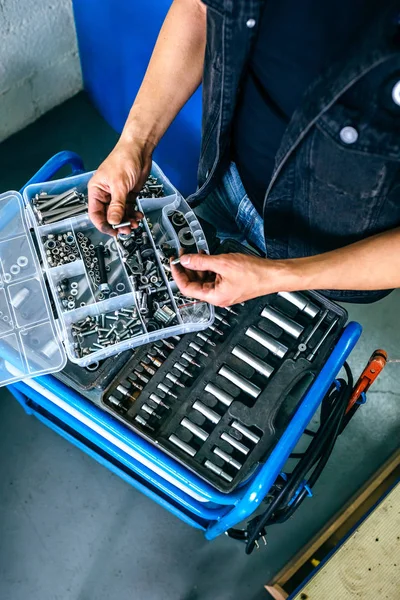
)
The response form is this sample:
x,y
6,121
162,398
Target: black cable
x,y
311,463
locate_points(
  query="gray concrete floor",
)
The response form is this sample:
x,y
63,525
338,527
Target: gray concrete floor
x,y
70,530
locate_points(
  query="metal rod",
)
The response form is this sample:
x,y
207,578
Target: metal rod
x,y
197,431
234,443
211,415
246,432
221,395
239,381
288,325
321,341
227,458
247,357
182,445
301,302
267,341
212,467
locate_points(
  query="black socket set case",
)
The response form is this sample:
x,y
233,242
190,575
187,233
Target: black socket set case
x,y
264,418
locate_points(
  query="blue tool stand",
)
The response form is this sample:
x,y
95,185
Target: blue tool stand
x,y
149,469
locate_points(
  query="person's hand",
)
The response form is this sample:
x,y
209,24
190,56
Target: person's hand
x,y
113,188
226,279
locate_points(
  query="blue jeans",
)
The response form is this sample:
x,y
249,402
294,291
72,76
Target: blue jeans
x,y
229,209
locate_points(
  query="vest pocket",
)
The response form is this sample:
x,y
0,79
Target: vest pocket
x,y
346,189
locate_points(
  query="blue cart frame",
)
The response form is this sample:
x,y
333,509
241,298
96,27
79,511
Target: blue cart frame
x,y
146,467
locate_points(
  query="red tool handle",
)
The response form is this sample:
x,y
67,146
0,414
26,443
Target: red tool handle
x,y
375,365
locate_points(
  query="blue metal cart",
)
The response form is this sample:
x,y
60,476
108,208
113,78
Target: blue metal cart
x,y
146,467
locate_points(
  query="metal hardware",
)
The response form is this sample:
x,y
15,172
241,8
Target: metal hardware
x,y
150,411
182,369
124,224
190,359
241,382
211,415
139,419
234,443
267,341
288,325
205,338
197,431
312,354
197,348
222,320
303,346
22,261
186,238
221,395
182,445
174,379
227,458
259,365
246,432
115,402
301,302
157,400
212,467
166,390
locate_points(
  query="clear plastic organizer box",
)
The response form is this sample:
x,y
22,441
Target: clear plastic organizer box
x,y
35,341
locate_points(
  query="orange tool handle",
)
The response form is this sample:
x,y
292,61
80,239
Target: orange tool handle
x,y
375,365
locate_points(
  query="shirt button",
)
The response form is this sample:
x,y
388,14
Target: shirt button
x,y
251,23
396,93
348,135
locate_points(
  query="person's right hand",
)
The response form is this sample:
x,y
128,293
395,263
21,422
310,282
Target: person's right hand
x,y
114,187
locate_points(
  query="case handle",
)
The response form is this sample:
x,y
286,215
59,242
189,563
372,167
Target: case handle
x,y
54,164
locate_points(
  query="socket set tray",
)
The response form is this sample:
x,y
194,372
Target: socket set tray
x,y
69,291
219,400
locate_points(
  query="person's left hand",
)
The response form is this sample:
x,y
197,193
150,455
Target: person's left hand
x,y
225,279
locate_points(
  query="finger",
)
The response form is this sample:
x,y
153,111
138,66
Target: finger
x,y
98,200
194,289
201,262
116,209
132,215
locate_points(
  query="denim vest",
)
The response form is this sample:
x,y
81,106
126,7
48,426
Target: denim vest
x,y
336,178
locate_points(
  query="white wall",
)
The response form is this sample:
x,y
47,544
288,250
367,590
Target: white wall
x,y
39,63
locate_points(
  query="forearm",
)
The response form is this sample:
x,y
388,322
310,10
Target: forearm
x,y
372,264
174,72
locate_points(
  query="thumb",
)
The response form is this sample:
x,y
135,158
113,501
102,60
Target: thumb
x,y
116,210
199,262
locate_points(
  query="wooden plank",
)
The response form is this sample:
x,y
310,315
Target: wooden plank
x,y
367,565
309,550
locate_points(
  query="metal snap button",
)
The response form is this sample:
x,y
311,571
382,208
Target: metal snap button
x,y
348,135
251,23
396,93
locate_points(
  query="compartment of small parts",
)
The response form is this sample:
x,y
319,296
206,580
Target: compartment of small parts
x,y
93,330
27,299
40,347
16,259
71,286
103,265
58,244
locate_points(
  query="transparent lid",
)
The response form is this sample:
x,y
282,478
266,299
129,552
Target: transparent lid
x,y
29,340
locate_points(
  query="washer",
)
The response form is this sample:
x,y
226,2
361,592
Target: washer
x,y
22,261
14,270
93,367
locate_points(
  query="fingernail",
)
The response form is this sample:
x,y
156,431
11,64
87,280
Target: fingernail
x,y
114,218
185,260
